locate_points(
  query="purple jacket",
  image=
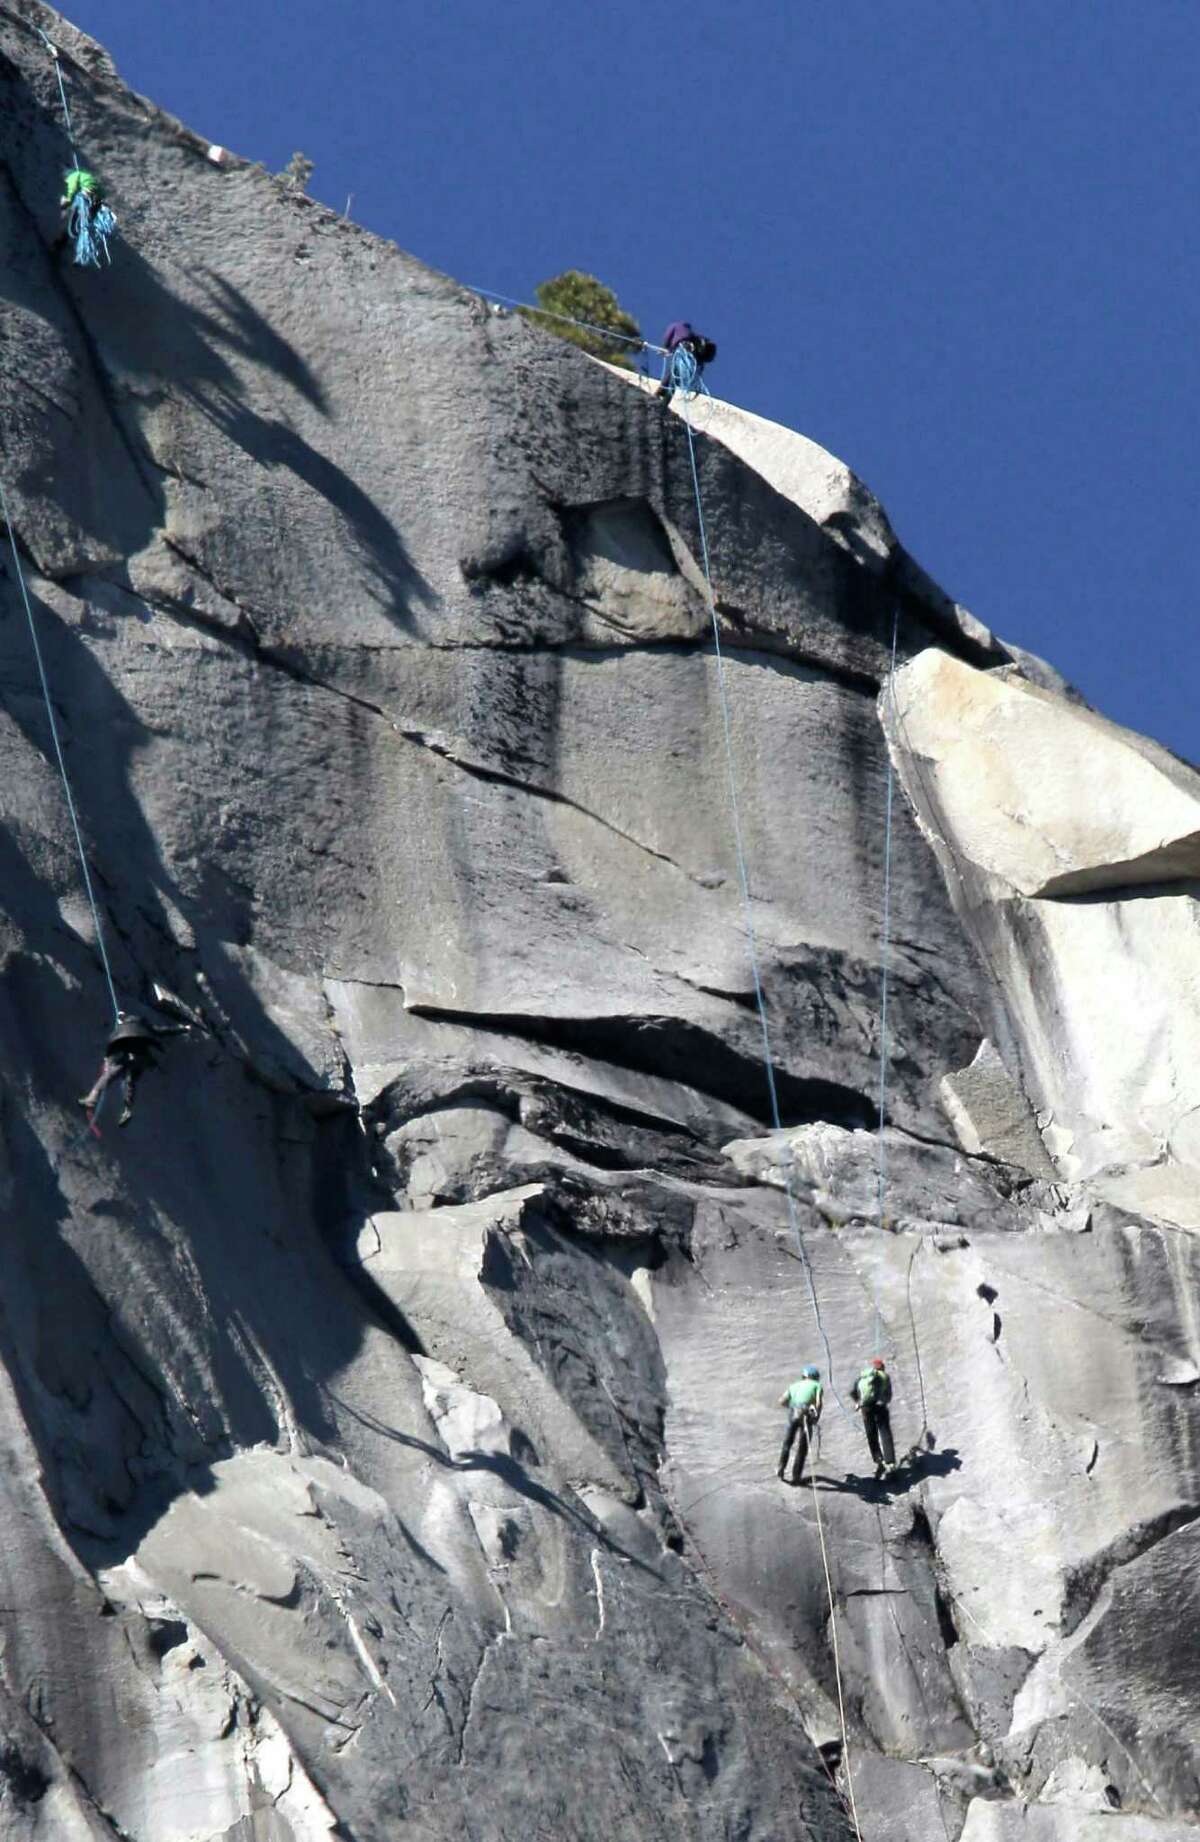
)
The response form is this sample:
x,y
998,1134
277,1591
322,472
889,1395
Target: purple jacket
x,y
676,333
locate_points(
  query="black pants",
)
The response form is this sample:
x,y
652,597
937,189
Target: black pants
x,y
125,1068
799,1433
877,1424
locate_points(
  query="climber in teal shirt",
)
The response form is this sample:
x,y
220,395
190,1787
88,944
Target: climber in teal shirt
x,y
804,1401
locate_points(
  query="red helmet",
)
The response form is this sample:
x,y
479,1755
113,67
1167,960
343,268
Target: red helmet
x,y
877,1362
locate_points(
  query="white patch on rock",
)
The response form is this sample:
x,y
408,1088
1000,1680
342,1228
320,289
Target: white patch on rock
x,y
1039,793
1089,906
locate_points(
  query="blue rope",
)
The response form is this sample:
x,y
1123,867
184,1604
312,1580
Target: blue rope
x,y
684,373
62,766
89,230
744,879
885,955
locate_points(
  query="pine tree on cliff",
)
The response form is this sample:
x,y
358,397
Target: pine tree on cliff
x,y
577,296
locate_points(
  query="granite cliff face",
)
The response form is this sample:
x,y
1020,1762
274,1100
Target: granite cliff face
x,y
388,1416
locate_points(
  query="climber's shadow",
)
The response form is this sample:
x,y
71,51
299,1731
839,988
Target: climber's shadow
x,y
913,1469
932,1464
869,1489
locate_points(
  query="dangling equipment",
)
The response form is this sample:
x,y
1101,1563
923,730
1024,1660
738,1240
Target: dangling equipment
x,y
685,372
90,222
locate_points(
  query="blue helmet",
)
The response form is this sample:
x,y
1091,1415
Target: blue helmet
x,y
811,1373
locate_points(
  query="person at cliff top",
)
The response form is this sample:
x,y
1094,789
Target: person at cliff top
x,y
872,1395
130,1051
680,336
804,1401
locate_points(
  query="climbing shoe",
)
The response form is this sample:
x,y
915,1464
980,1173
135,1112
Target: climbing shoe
x,y
126,1116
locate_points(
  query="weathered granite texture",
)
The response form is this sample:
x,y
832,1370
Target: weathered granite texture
x,y
389,1419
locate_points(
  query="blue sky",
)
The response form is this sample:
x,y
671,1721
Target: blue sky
x,y
952,240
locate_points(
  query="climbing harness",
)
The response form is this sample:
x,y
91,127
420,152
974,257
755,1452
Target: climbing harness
x,y
90,222
58,751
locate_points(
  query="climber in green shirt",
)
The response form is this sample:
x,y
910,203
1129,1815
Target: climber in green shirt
x,y
804,1401
88,222
80,180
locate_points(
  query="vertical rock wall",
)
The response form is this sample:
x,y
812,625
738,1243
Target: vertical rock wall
x,y
389,1425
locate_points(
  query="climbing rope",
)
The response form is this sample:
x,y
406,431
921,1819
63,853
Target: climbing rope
x,y
685,373
607,332
885,957
52,48
744,879
837,1661
62,765
90,222
912,1322
745,1624
690,371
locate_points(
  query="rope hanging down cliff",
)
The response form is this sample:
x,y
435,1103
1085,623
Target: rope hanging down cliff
x,y
885,968
89,221
684,377
58,751
833,1638
52,48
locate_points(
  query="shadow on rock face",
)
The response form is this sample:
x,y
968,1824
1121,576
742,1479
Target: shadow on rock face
x,y
510,1471
155,333
137,1272
934,1464
883,1489
142,898
238,324
169,1293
